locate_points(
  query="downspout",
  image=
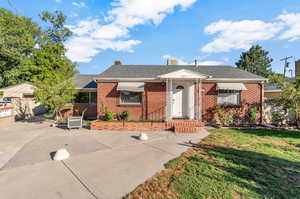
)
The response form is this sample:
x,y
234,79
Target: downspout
x,y
262,103
200,101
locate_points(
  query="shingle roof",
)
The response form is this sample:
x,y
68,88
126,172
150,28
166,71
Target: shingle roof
x,y
85,81
152,71
276,87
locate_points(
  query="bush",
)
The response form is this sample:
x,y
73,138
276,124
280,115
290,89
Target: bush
x,y
225,117
103,106
124,115
251,117
109,116
277,117
1,93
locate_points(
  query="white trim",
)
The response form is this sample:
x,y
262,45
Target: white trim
x,y
272,91
233,79
125,79
86,89
161,80
183,74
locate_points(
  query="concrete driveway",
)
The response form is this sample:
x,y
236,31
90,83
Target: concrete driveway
x,y
102,164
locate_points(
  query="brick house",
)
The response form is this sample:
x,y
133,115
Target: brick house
x,y
167,92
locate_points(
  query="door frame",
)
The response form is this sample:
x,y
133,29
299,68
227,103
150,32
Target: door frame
x,y
181,103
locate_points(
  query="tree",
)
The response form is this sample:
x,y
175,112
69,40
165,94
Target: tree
x,y
55,86
290,98
256,61
18,39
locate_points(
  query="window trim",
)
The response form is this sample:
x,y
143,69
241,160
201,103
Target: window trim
x,y
89,97
230,104
129,103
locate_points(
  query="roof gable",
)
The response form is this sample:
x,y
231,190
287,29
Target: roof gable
x,y
183,74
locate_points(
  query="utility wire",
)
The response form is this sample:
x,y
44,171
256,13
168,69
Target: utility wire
x,y
12,6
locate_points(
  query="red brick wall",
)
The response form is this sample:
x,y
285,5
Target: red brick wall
x,y
249,98
107,92
155,100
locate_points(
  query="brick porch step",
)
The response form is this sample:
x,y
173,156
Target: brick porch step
x,y
189,129
186,123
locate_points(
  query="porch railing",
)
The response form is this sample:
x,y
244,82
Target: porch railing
x,y
157,114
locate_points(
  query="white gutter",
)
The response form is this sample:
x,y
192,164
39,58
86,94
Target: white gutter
x,y
205,80
271,91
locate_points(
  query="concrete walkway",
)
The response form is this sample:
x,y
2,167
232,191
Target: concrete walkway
x,y
102,164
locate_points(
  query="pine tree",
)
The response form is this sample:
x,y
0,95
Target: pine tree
x,y
256,60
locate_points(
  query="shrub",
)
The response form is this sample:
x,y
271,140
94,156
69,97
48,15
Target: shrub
x,y
1,93
103,106
251,116
277,117
124,115
109,116
225,117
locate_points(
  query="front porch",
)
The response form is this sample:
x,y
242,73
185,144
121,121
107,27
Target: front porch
x,y
183,95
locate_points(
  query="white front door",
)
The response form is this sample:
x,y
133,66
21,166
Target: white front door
x,y
178,101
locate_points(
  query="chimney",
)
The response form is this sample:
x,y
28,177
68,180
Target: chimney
x,y
118,62
172,61
297,68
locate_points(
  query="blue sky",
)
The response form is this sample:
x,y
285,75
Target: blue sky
x,y
149,31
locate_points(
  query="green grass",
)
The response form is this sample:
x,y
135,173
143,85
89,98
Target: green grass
x,y
233,164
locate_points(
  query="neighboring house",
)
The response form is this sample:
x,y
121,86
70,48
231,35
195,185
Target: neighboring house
x,y
21,96
167,92
86,99
273,90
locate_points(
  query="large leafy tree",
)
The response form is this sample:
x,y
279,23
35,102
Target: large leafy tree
x,y
18,39
31,53
55,86
256,60
290,98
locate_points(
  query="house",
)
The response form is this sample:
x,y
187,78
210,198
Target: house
x,y
168,92
22,97
273,91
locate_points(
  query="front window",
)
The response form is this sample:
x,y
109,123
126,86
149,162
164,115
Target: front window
x,y
93,97
228,97
86,98
82,98
131,97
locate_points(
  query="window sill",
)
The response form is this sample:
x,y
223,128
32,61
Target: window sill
x,y
137,104
230,105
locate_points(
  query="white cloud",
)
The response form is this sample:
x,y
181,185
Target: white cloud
x,y
79,4
113,32
239,34
292,21
130,13
82,49
199,62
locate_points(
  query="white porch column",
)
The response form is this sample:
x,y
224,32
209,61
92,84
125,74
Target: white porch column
x,y
190,102
169,100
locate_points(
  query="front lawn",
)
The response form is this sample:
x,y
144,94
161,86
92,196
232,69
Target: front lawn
x,y
232,164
